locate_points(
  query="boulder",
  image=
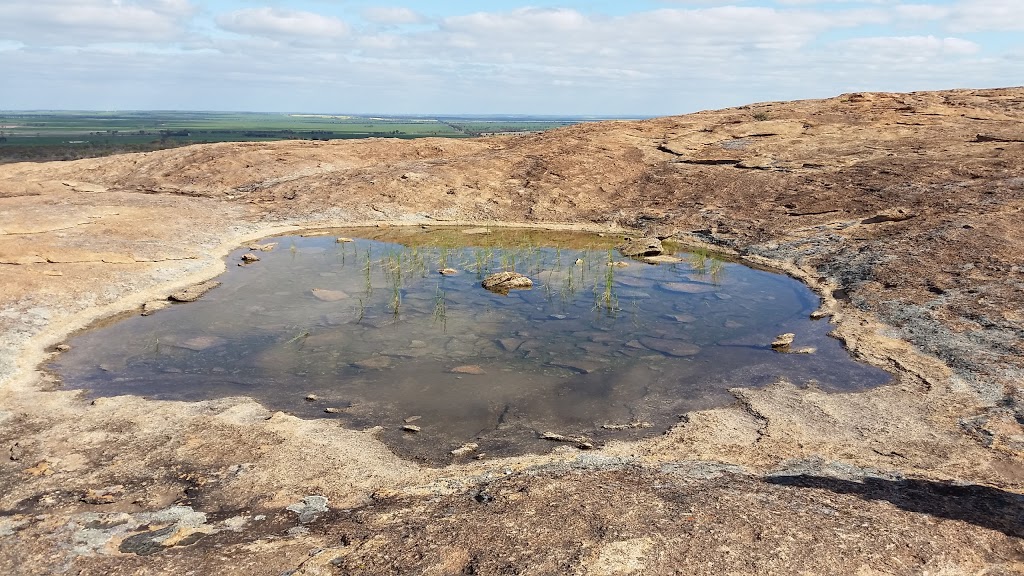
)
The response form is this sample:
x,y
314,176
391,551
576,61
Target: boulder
x,y
640,247
502,282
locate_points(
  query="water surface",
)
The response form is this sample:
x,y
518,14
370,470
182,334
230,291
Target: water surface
x,y
369,333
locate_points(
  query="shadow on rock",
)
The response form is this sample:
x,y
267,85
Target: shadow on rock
x,y
980,505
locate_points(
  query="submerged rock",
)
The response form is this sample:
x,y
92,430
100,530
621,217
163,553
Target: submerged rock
x,y
640,247
328,295
686,287
249,258
468,369
200,343
671,347
502,282
373,363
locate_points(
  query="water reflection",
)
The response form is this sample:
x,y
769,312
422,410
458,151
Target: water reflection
x,y
370,332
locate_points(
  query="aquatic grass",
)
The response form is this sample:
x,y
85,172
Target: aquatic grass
x,y
606,299
717,270
368,273
301,336
699,260
362,311
440,309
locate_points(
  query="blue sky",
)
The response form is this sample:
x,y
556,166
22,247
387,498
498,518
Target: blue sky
x,y
648,57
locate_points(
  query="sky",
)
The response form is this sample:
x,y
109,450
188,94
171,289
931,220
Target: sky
x,y
604,58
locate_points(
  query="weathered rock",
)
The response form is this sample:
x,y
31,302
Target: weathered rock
x,y
263,247
107,495
154,305
448,271
411,428
249,258
328,295
581,442
467,448
782,341
62,347
344,240
193,293
502,282
309,508
640,247
312,397
662,259
468,369
618,264
412,419
671,347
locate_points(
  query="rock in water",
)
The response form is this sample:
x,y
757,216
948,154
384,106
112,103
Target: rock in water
x,y
782,341
192,293
640,247
328,295
502,282
250,258
671,347
468,369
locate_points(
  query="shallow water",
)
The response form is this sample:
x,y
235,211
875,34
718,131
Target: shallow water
x,y
378,336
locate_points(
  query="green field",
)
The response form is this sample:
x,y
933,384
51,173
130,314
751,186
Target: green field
x,y
52,135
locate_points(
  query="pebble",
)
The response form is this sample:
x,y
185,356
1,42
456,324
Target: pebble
x,y
411,428
312,398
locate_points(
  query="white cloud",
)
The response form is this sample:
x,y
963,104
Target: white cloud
x,y
392,15
991,15
911,47
689,55
274,23
76,22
